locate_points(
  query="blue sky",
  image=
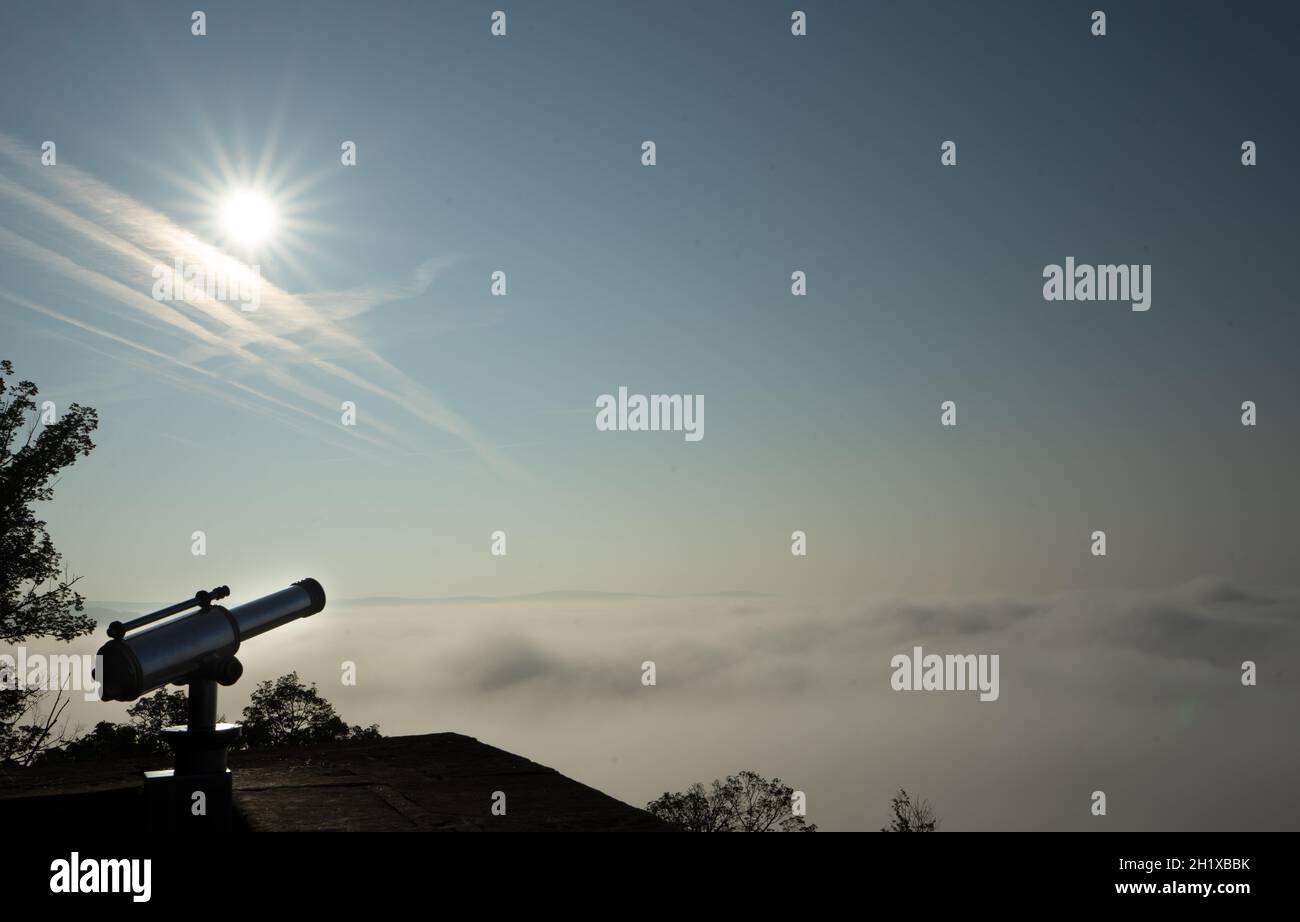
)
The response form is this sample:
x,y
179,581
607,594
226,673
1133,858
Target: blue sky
x,y
822,413
775,154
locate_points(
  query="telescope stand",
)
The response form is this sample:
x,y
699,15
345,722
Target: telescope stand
x,y
197,648
196,795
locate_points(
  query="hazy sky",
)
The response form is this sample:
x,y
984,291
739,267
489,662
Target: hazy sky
x,y
822,413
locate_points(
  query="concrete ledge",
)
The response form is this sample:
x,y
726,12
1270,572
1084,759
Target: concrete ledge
x,y
433,782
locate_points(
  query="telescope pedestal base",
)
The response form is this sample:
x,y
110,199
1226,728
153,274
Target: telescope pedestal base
x,y
198,794
188,803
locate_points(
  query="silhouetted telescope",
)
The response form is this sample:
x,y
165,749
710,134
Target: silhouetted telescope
x,y
195,648
200,644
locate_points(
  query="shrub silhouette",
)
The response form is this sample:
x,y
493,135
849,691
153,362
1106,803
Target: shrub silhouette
x,y
282,713
746,802
911,815
288,713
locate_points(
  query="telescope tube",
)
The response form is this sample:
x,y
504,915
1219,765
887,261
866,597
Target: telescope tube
x,y
303,598
175,650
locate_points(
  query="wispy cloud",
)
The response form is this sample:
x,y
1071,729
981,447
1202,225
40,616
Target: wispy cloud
x,y
290,355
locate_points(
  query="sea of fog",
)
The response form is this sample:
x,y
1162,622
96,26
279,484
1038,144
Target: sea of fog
x,y
1136,694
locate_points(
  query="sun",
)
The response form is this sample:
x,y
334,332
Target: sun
x,y
248,217
256,207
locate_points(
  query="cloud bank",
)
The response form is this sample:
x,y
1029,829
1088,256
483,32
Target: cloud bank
x,y
1135,693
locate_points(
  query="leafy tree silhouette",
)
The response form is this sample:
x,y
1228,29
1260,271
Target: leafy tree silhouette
x,y
288,713
282,713
106,740
36,600
150,714
911,815
746,802
142,736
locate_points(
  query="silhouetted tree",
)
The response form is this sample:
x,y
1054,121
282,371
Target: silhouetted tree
x,y
150,714
141,737
691,809
288,713
282,713
36,599
746,802
106,740
31,724
911,815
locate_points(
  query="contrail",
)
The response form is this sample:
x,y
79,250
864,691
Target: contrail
x,y
128,239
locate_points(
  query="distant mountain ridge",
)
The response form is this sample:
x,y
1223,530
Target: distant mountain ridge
x,y
108,611
555,595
